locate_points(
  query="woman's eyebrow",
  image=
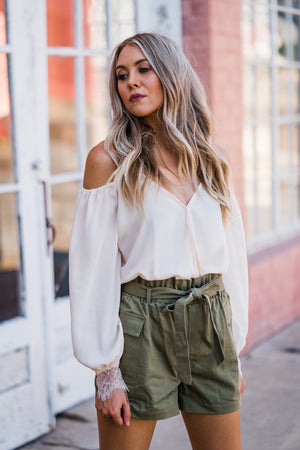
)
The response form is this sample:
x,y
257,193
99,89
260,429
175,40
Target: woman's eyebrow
x,y
136,63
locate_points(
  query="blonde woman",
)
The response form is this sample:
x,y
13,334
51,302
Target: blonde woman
x,y
158,268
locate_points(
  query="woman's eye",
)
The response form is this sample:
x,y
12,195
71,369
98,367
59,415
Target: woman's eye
x,y
144,69
121,76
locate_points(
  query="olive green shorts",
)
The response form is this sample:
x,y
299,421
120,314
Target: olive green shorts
x,y
178,348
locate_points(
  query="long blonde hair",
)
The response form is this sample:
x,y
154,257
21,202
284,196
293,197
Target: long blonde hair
x,y
186,122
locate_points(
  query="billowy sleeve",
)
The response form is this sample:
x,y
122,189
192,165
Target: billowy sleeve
x,y
95,286
236,277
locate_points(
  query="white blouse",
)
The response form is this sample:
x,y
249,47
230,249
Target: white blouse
x,y
111,245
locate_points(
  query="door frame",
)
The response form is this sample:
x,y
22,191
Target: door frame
x,y
27,402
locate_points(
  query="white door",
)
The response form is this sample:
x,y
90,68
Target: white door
x,y
25,401
53,108
79,40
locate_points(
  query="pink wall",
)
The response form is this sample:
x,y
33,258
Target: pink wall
x,y
212,42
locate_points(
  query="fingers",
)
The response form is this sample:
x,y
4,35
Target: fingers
x,y
115,413
98,403
117,407
110,411
126,414
242,385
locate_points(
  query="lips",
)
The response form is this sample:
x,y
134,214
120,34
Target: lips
x,y
136,97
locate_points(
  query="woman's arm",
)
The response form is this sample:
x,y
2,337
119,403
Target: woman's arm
x,y
95,285
236,277
98,168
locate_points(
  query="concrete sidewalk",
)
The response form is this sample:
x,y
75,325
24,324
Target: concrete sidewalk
x,y
270,410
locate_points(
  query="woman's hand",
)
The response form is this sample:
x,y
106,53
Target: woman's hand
x,y
116,406
242,385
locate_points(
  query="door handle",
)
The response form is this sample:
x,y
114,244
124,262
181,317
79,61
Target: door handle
x,y
50,230
50,227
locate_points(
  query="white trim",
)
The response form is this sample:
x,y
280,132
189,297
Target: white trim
x,y
5,48
6,188
25,411
278,120
72,51
266,240
275,120
65,177
286,9
160,16
79,85
109,28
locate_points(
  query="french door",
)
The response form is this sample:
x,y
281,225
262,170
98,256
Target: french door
x,y
53,107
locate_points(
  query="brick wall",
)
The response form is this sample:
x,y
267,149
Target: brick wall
x,y
274,293
212,42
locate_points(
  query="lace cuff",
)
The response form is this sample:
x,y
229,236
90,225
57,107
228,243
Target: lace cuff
x,y
107,381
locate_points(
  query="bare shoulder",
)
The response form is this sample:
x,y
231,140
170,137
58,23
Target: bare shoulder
x,y
98,168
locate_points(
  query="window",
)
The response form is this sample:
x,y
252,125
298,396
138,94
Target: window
x,y
80,35
271,144
11,275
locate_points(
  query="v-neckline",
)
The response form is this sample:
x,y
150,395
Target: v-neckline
x,y
170,194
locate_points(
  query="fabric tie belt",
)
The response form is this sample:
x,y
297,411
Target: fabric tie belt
x,y
178,308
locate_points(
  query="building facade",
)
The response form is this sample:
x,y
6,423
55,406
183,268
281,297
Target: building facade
x,y
248,55
53,108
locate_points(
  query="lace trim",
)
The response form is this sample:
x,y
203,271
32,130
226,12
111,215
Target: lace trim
x,y
107,381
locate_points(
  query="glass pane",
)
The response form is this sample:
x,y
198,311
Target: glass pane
x,y
63,205
262,33
284,154
297,196
256,31
296,37
296,3
62,114
282,2
60,23
263,91
264,200
263,151
3,37
124,19
10,266
282,37
248,152
296,90
283,91
94,23
250,209
296,146
248,30
284,202
95,100
249,91
6,150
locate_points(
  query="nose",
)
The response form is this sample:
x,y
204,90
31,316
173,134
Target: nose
x,y
133,80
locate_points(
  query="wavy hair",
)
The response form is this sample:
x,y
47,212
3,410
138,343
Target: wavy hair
x,y
186,123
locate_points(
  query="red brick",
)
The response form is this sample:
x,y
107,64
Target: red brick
x,y
274,286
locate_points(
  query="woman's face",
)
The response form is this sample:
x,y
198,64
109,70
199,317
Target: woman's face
x,y
138,85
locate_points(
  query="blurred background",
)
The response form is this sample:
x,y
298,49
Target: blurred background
x,y
54,108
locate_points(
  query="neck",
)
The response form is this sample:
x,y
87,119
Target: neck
x,y
161,147
156,126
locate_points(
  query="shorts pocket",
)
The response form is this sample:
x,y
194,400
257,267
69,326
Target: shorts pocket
x,y
133,337
226,306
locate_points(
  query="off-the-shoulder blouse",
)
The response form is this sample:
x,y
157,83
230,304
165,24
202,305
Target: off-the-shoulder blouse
x,y
112,244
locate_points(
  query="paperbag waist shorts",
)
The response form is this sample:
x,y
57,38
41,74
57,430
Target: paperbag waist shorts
x,y
178,348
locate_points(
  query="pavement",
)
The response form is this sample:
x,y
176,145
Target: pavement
x,y
270,414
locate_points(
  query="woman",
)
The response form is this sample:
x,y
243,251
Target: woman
x,y
158,269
